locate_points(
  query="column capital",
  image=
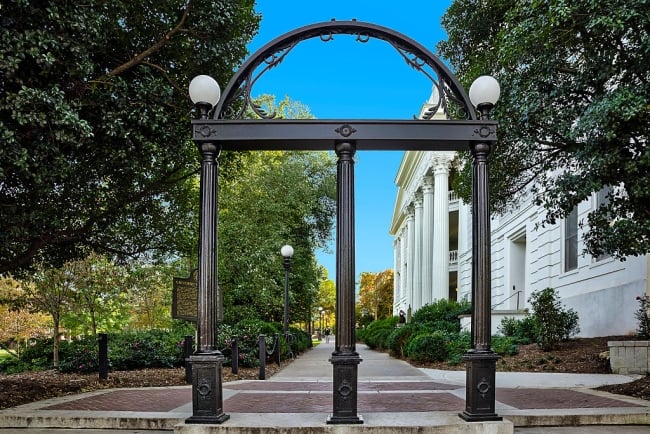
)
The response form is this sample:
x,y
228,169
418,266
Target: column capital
x,y
440,165
417,201
427,184
410,212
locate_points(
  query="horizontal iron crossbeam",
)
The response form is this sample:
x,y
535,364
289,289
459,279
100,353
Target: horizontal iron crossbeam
x,y
319,135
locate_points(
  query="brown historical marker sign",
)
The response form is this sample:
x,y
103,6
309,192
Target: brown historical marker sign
x,y
185,301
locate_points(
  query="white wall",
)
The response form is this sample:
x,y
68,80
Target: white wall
x,y
603,293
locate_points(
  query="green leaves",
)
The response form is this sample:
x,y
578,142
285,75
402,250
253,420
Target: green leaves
x,y
95,148
273,199
573,111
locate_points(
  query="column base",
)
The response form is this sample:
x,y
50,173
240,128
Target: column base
x,y
207,420
480,387
207,392
338,420
345,367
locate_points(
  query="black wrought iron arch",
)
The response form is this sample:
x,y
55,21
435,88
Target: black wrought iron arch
x,y
273,53
227,129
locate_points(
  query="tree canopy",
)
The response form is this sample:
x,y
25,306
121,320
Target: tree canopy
x,y
95,149
574,113
376,293
276,198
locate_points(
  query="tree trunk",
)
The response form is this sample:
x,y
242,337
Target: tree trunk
x,y
56,344
93,322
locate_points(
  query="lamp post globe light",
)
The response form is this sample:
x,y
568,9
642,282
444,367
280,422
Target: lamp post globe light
x,y
484,94
207,360
204,90
287,253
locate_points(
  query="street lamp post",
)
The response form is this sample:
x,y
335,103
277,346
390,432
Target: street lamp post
x,y
320,324
480,359
207,392
287,253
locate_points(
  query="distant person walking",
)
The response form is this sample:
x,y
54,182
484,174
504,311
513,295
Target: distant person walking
x,y
328,332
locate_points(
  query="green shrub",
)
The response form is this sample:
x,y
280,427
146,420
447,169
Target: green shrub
x,y
399,337
378,339
377,332
504,346
522,331
444,326
247,333
80,355
428,347
360,334
642,315
300,340
38,354
441,310
154,348
13,365
457,345
554,324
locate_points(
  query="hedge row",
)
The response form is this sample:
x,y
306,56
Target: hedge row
x,y
432,335
151,348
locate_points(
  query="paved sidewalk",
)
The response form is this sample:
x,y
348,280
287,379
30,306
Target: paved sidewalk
x,y
392,395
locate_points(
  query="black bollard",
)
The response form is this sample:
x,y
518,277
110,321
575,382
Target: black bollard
x,y
234,362
262,342
277,347
188,348
103,356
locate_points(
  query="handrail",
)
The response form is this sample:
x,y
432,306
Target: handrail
x,y
503,301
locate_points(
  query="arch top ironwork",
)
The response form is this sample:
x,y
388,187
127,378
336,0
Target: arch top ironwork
x,y
236,98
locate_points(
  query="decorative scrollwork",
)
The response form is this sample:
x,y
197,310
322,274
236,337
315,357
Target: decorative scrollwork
x,y
237,98
363,38
204,389
483,387
346,130
345,389
326,37
485,131
412,60
205,131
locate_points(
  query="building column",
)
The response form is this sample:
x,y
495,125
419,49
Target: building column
x,y
396,274
427,240
417,272
403,269
410,249
440,258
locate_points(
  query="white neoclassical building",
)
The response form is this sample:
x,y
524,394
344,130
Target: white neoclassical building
x,y
432,253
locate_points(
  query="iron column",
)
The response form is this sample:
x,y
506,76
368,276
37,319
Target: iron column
x,y
207,392
345,359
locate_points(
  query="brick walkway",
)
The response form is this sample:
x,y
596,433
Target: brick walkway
x,y
392,396
316,397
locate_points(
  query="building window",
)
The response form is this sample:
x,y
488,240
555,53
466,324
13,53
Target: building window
x,y
602,199
571,241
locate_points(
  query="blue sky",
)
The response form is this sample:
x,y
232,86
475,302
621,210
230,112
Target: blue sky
x,y
346,79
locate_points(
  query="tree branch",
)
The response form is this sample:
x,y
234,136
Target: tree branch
x,y
139,57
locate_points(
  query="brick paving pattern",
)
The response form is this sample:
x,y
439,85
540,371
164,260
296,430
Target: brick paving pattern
x,y
145,400
555,399
316,397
